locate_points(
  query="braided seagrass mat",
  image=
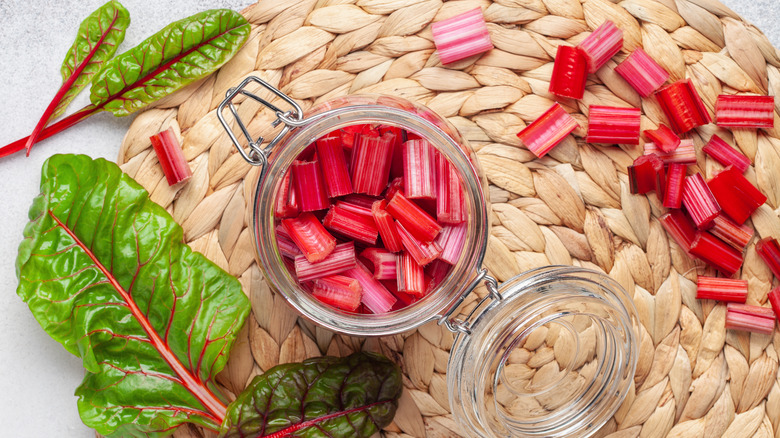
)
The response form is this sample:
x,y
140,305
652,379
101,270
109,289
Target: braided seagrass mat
x,y
573,207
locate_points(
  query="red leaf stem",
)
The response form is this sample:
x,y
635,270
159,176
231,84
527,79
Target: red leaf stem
x,y
52,129
287,432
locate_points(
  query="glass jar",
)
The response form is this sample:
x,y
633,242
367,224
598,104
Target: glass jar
x,y
579,322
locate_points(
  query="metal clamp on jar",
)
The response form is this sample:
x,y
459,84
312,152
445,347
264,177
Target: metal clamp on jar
x,y
576,327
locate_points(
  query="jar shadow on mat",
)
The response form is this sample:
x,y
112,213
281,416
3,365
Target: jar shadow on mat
x,y
551,352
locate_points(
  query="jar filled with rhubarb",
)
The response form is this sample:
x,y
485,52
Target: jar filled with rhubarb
x,y
371,218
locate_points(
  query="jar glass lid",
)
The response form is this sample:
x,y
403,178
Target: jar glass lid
x,y
555,355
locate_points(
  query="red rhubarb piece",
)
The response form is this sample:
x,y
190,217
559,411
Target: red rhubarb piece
x,y
680,227
745,111
383,261
371,161
309,185
461,36
548,130
338,291
613,125
339,260
386,226
684,154
774,300
411,276
646,175
642,72
699,201
721,289
726,155
663,138
601,45
314,241
675,181
570,73
423,252
450,198
286,203
735,194
419,169
736,235
716,253
753,319
170,155
375,296
352,224
287,248
683,107
419,223
769,251
451,240
333,164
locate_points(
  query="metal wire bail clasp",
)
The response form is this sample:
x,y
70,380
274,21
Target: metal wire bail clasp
x,y
257,155
457,325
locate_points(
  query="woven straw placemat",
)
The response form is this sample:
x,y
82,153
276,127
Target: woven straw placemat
x,y
573,207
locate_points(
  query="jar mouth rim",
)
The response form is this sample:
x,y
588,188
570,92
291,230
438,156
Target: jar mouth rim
x,y
430,307
479,391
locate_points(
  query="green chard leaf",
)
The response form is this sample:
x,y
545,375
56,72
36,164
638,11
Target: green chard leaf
x,y
104,271
323,397
180,53
98,38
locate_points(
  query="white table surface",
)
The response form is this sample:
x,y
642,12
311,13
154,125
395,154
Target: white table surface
x,y
37,376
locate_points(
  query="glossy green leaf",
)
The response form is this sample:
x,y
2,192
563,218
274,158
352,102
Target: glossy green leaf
x,y
104,271
180,53
350,397
97,40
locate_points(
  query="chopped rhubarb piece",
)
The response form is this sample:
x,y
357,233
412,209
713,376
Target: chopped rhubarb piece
x,y
461,36
386,226
352,224
397,163
769,251
375,296
684,154
451,240
437,270
721,289
725,154
419,223
663,138
601,45
284,242
450,198
310,236
646,175
548,130
731,232
383,261
675,180
362,202
613,125
699,201
286,204
171,157
309,185
371,161
411,276
341,259
422,252
396,185
716,253
753,319
570,73
745,111
774,300
333,164
683,107
338,291
419,169
642,72
735,194
680,227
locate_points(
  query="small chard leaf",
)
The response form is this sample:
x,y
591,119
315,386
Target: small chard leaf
x,y
180,53
97,40
104,271
323,397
